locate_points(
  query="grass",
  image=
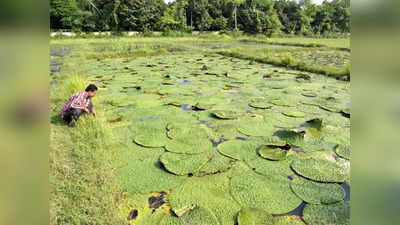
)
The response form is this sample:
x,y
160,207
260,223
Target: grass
x,y
81,173
335,43
286,59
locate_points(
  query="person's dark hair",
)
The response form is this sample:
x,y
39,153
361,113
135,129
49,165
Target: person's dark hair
x,y
91,87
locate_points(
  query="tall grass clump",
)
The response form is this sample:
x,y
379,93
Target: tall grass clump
x,y
72,85
288,60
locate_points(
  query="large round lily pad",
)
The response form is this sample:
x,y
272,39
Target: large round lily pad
x,y
225,114
253,216
260,103
293,137
211,192
270,193
317,193
237,149
171,220
194,146
151,138
288,220
343,151
183,164
272,152
283,102
293,113
338,214
218,163
200,216
273,168
152,177
319,170
256,128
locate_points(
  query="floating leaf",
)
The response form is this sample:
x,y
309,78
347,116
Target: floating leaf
x,y
237,149
270,193
317,193
260,103
226,114
211,192
256,128
151,175
288,220
343,151
183,164
199,216
253,216
338,214
293,113
319,170
272,152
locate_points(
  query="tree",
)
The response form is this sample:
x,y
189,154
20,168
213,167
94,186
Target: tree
x,y
236,4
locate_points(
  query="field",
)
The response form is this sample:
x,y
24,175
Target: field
x,y
202,130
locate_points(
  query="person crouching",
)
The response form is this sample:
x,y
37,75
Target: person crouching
x,y
78,104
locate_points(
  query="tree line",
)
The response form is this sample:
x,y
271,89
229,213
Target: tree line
x,y
301,17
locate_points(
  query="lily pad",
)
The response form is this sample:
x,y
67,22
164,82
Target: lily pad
x,y
343,151
151,138
293,113
151,175
211,192
317,193
256,128
272,168
319,170
217,164
260,103
253,216
272,152
199,216
292,137
171,220
225,114
270,193
288,220
309,94
183,164
338,214
237,149
283,102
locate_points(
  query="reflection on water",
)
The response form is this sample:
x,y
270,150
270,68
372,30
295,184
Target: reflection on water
x,y
346,188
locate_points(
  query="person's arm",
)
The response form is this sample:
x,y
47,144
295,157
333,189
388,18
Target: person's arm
x,y
91,108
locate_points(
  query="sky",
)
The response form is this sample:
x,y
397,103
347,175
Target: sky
x,y
315,1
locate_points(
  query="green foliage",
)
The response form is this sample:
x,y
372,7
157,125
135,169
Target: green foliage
x,y
265,17
288,60
272,152
184,164
319,170
240,150
209,192
270,193
252,216
338,213
288,220
317,193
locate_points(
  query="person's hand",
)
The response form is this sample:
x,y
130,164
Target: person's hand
x,y
86,110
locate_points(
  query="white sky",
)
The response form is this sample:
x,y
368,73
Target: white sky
x,y
315,1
